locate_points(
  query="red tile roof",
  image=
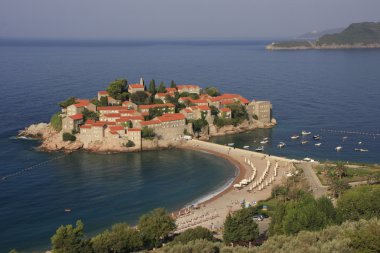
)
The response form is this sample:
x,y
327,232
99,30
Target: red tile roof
x,y
171,117
136,86
112,115
204,107
155,106
98,124
161,94
187,86
127,111
171,90
244,100
81,102
110,108
199,101
77,116
150,122
103,92
134,129
90,121
85,126
116,128
227,102
225,109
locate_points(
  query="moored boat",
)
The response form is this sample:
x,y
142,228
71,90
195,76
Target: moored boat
x,y
316,137
318,144
231,144
339,148
304,142
295,137
281,145
260,149
264,142
246,147
305,132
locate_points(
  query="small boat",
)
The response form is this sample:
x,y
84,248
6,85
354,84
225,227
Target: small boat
x,y
246,147
264,142
359,142
231,144
295,137
304,142
318,144
265,139
316,137
338,148
361,149
307,159
67,210
281,145
305,132
259,149
344,138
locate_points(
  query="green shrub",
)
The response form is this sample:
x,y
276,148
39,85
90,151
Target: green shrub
x,y
194,234
129,144
147,132
68,137
56,121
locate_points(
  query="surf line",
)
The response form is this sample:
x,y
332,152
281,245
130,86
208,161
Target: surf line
x,y
19,172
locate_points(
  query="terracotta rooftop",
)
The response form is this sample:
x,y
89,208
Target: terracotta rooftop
x,y
77,116
102,92
155,106
110,108
136,86
150,122
134,129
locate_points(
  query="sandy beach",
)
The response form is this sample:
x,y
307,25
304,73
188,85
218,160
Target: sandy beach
x,y
212,212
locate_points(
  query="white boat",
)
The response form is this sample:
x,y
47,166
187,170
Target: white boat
x,y
359,142
307,159
318,144
295,137
361,149
344,138
316,137
265,139
338,148
259,149
231,144
281,145
246,147
304,142
305,132
264,142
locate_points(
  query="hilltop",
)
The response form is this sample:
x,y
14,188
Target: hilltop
x,y
356,35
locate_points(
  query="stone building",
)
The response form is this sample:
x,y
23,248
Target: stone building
x,y
133,88
262,110
189,88
72,122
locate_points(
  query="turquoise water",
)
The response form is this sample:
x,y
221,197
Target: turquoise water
x,y
310,90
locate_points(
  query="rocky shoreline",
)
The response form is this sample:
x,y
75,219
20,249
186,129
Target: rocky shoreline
x,y
51,140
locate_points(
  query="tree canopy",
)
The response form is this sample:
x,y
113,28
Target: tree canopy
x,y
118,89
240,226
69,239
120,239
194,234
212,91
67,102
155,226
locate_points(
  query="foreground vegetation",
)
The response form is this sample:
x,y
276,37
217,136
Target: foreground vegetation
x,y
299,223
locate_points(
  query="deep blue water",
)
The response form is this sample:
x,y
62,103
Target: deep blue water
x,y
311,90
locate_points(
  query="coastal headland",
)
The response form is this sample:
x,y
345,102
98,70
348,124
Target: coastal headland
x,y
133,117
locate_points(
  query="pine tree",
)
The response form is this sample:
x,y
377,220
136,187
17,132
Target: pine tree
x,y
152,87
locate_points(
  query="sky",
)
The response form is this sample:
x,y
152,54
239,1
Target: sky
x,y
178,19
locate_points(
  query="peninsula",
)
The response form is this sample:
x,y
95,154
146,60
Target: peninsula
x,y
357,35
133,117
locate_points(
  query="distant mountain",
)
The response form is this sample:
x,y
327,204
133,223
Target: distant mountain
x,y
357,35
360,33
314,35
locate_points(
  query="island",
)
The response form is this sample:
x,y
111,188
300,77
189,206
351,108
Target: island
x,y
357,35
135,117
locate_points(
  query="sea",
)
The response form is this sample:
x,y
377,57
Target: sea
x,y
331,93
